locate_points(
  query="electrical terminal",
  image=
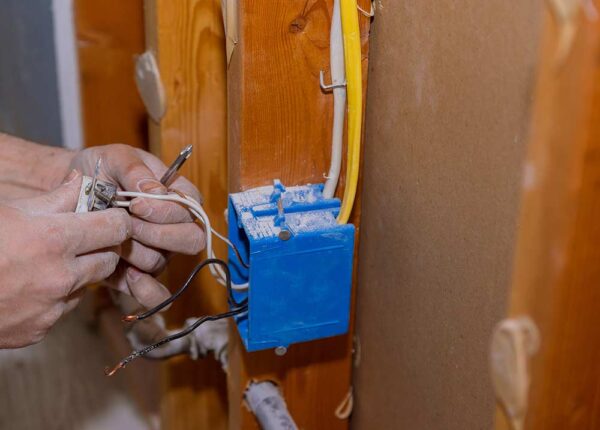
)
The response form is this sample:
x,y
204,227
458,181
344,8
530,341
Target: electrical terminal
x,y
95,195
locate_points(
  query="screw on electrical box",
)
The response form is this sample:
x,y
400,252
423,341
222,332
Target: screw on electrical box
x,y
285,235
280,351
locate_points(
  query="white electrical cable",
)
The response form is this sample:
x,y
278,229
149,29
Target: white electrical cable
x,y
338,81
196,209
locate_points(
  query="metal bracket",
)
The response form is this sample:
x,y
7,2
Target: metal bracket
x,y
326,87
369,14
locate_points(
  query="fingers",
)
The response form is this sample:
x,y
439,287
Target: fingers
x,y
88,232
144,258
125,165
180,183
73,300
147,291
160,212
186,238
61,200
136,170
118,281
94,267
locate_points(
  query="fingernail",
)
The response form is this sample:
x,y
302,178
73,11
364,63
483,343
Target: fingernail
x,y
140,208
71,177
151,186
133,275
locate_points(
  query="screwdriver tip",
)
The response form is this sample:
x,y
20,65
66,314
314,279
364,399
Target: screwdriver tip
x,y
187,151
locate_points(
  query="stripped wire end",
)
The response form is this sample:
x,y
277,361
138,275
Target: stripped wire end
x,y
130,318
142,352
110,372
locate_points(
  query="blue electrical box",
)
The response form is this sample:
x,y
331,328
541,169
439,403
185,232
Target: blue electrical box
x,y
300,265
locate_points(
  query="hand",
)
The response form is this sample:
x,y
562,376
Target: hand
x,y
47,254
159,227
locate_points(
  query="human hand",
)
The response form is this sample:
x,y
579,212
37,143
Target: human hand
x,y
159,227
47,255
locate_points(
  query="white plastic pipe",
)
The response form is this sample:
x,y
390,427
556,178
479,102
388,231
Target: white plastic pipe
x,y
266,402
212,336
338,80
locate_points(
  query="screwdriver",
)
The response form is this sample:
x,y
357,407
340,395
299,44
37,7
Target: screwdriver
x,y
170,173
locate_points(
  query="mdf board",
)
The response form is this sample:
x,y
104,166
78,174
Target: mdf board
x,y
557,263
187,38
450,87
280,128
110,34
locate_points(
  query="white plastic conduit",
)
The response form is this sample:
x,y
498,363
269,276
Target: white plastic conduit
x,y
338,81
266,402
210,337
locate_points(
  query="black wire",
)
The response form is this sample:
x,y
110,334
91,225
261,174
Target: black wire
x,y
179,292
239,256
185,332
232,301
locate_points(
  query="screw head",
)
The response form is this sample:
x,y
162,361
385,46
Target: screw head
x,y
285,235
280,351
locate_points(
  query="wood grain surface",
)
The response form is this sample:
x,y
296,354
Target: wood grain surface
x,y
188,39
280,128
110,34
557,270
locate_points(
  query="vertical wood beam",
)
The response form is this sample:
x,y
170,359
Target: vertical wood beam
x,y
109,36
557,271
280,128
187,38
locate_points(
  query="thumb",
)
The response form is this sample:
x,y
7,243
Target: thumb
x,y
63,199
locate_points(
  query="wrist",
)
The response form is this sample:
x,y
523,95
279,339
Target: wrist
x,y
28,165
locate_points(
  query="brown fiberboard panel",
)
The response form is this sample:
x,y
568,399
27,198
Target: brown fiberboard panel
x,y
450,87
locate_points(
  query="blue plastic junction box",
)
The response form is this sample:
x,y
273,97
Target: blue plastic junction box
x,y
300,258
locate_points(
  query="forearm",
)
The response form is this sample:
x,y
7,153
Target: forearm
x,y
27,168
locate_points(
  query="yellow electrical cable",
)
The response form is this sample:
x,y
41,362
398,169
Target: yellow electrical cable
x,y
353,57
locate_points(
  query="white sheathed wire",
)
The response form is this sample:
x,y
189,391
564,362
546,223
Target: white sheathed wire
x,y
199,213
338,78
196,209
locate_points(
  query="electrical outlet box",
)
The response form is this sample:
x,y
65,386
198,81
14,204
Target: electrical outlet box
x,y
300,265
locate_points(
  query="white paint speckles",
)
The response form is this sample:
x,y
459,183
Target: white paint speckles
x,y
529,177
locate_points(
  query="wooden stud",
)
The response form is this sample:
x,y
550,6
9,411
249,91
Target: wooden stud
x,y
188,40
109,36
280,128
557,270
